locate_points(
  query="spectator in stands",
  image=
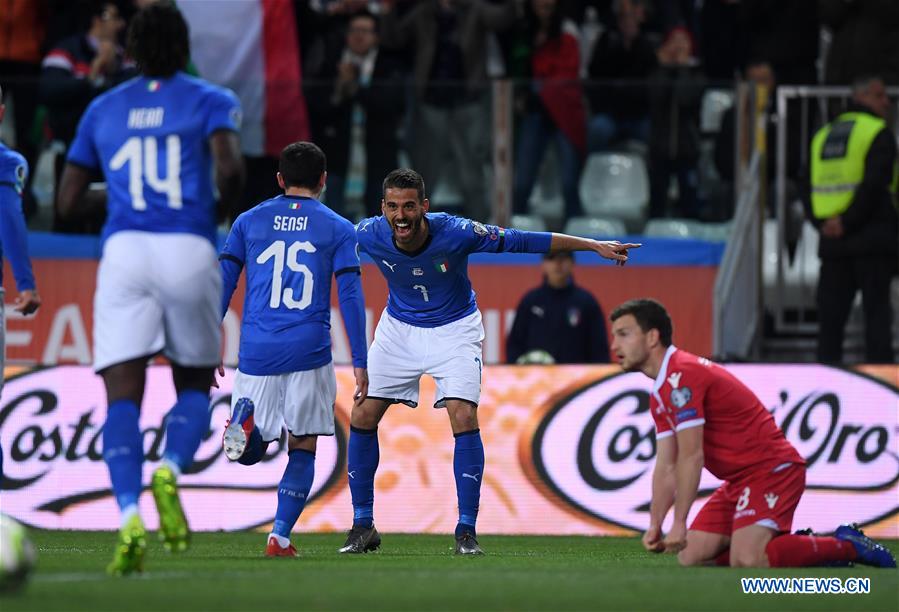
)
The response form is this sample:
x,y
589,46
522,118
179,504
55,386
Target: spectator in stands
x,y
552,100
623,59
558,322
854,175
448,40
675,95
357,103
22,27
74,72
864,39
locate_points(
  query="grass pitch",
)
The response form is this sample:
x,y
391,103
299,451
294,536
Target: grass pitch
x,y
226,571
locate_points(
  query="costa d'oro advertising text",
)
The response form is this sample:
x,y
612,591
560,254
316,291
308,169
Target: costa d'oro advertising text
x,y
569,450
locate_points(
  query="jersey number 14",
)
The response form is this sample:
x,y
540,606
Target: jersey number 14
x,y
277,250
142,157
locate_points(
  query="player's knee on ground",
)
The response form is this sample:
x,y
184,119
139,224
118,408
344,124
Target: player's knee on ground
x,y
686,558
748,558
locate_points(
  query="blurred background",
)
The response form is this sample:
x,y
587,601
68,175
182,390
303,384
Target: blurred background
x,y
687,123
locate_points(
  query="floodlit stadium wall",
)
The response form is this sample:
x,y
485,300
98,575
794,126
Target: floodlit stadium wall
x,y
569,451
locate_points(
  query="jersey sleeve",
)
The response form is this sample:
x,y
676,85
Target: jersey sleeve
x,y
687,400
83,150
659,417
13,233
365,233
231,262
223,112
346,255
482,238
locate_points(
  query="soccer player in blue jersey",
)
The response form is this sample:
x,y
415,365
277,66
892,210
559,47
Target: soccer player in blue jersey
x,y
156,139
432,326
291,246
13,242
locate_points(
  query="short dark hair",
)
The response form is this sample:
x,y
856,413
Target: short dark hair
x,y
365,14
159,40
302,165
405,178
649,314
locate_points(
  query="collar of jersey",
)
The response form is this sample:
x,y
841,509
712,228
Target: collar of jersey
x,y
417,251
663,370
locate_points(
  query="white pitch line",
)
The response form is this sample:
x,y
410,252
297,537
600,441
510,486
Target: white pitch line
x,y
99,576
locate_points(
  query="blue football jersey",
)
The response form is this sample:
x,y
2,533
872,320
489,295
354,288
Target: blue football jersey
x,y
13,233
430,287
150,138
291,247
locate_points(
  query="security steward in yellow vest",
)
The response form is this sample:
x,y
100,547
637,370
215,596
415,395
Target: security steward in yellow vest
x,y
854,177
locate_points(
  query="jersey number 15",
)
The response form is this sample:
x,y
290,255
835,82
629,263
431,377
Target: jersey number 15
x,y
277,250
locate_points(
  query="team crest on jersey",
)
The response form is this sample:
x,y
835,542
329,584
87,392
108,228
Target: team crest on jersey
x,y
674,379
21,175
680,397
236,116
574,316
479,228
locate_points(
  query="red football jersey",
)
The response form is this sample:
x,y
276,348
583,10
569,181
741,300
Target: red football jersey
x,y
739,436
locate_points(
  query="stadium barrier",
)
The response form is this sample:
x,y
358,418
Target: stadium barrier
x,y
569,450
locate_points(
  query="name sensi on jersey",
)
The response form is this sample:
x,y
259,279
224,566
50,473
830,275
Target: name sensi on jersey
x,y
286,223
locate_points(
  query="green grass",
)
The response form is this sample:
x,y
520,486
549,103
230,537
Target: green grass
x,y
225,571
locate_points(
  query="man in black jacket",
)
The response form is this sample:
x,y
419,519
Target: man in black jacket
x,y
854,177
558,322
359,93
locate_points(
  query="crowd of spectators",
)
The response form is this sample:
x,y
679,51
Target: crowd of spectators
x,y
399,81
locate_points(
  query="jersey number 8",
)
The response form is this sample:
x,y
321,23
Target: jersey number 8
x,y
277,250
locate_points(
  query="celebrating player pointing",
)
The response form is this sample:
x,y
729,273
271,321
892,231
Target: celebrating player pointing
x,y
704,416
431,326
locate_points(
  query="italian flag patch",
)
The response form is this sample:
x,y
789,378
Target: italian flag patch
x,y
294,206
442,265
153,86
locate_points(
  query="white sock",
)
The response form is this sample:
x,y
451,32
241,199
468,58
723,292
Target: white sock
x,y
128,512
172,466
281,540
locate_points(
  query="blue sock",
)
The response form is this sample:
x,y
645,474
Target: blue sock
x,y
123,451
255,449
185,425
293,490
468,466
363,455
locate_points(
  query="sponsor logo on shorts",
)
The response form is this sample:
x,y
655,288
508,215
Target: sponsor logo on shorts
x,y
746,512
771,498
595,448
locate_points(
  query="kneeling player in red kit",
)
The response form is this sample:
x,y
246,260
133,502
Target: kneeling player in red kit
x,y
705,417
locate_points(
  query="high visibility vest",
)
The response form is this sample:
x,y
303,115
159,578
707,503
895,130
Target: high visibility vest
x,y
839,151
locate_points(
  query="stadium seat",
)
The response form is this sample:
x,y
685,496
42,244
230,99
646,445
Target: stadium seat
x,y
616,185
716,232
675,228
714,104
593,227
528,223
546,198
800,275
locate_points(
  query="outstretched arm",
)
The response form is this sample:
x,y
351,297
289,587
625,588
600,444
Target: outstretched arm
x,y
609,249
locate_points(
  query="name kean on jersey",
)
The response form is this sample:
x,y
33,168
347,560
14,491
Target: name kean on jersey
x,y
145,118
290,224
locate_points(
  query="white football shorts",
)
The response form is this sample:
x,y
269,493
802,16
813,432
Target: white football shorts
x,y
158,292
302,401
451,354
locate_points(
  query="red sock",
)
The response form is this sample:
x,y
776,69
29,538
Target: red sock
x,y
807,551
723,559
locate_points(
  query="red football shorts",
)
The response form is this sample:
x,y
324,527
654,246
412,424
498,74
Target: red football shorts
x,y
767,498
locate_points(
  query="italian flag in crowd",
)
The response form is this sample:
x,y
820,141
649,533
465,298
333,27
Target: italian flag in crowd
x,y
251,47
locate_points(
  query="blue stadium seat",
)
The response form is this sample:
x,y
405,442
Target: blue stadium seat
x,y
616,185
